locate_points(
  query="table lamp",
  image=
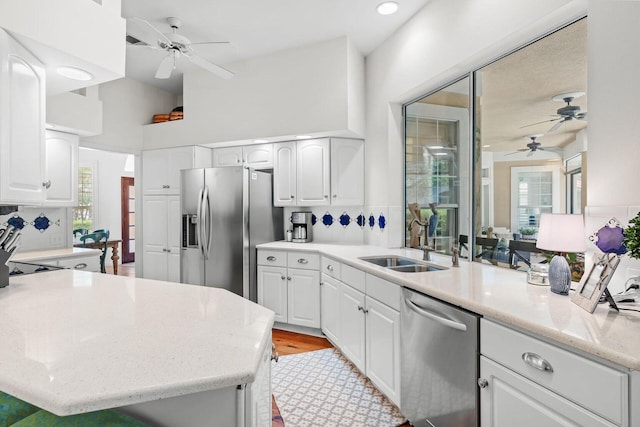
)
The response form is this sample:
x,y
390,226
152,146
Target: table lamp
x,y
561,233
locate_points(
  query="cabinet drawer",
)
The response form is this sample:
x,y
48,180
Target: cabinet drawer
x,y
596,387
353,277
331,267
274,258
91,263
304,260
386,292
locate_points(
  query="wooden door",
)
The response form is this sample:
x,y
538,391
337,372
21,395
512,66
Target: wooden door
x,y
128,204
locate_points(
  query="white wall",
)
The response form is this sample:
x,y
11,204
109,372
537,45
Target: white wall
x,y
75,113
440,43
315,90
127,106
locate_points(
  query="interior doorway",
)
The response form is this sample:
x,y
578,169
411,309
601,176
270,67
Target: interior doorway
x,y
128,203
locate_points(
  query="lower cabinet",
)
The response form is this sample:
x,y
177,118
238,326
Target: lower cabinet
x,y
366,330
292,293
525,381
161,237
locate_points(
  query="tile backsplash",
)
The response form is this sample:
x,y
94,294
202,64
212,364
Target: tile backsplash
x,y
41,228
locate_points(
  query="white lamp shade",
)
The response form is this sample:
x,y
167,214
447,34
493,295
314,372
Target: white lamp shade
x,y
561,233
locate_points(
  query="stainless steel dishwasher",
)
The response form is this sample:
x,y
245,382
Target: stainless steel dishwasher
x,y
439,362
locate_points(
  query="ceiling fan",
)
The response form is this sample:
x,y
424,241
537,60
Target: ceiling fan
x,y
566,113
533,145
142,33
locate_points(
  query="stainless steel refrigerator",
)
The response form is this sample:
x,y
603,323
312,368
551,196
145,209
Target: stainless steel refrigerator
x,y
226,212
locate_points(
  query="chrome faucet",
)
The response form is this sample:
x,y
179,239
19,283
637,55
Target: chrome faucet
x,y
426,252
454,257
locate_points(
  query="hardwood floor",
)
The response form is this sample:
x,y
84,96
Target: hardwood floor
x,y
293,343
128,269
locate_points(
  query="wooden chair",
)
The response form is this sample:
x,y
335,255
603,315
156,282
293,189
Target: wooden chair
x,y
463,241
98,236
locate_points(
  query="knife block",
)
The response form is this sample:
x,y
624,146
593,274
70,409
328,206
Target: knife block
x,y
4,268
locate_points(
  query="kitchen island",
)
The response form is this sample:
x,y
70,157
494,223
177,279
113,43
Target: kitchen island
x,y
165,353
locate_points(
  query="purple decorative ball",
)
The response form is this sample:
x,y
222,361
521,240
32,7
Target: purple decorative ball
x,y
610,240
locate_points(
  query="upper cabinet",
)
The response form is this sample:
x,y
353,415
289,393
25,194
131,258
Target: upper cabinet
x,y
161,168
61,171
252,156
319,172
22,97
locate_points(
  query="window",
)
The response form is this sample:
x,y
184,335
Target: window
x,y
534,191
84,213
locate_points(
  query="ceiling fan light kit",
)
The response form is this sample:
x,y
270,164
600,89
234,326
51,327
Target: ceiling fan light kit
x,y
176,45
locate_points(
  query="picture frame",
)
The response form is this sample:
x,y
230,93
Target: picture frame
x,y
594,283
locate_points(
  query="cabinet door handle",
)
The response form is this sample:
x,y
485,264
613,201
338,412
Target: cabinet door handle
x,y
335,195
330,267
80,266
271,258
282,277
364,310
47,184
169,250
302,261
326,196
291,197
536,361
482,383
288,278
275,357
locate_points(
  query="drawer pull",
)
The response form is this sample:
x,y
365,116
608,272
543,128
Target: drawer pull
x,y
536,361
303,261
482,383
330,267
80,266
271,258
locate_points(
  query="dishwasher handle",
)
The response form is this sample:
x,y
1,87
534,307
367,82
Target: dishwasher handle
x,y
435,317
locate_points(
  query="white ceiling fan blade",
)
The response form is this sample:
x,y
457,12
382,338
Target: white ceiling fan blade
x,y
557,125
166,66
213,68
199,43
144,31
539,123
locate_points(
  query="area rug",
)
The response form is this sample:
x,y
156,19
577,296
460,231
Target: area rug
x,y
322,388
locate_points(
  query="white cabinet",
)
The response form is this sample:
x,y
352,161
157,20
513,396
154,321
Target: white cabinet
x,y
313,182
319,172
61,172
528,382
22,119
365,326
161,238
161,168
292,292
347,172
383,347
284,174
258,156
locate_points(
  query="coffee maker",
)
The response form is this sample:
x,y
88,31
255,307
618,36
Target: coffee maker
x,y
302,227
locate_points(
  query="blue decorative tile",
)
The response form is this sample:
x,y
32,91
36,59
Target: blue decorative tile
x,y
382,222
41,223
345,219
17,222
372,220
609,238
314,219
361,220
327,219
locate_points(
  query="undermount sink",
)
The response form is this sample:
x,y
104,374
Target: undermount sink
x,y
401,264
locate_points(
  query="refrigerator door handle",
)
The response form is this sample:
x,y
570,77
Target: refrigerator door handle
x,y
207,218
199,223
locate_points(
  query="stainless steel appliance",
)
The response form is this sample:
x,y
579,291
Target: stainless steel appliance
x,y
302,227
226,212
439,362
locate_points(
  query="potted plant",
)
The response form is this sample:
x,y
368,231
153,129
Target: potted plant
x,y
528,232
632,237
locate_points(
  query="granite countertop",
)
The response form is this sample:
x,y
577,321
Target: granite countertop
x,y
76,341
49,254
504,295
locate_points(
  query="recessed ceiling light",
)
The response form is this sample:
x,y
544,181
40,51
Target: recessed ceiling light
x,y
74,73
260,141
387,8
303,137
